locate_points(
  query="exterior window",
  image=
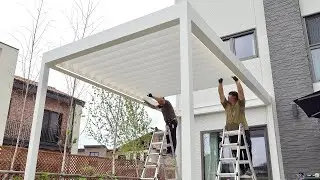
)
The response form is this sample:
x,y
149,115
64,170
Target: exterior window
x,y
243,45
51,125
313,31
210,154
93,153
144,156
138,156
121,157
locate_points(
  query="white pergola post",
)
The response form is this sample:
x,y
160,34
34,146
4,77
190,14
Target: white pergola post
x,y
187,112
37,123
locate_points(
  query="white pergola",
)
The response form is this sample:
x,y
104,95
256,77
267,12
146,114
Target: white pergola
x,y
172,51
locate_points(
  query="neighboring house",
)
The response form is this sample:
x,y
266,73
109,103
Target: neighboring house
x,y
55,117
8,61
123,152
127,151
279,43
95,150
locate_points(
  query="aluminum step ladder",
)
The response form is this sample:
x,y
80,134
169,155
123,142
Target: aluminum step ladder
x,y
160,161
235,161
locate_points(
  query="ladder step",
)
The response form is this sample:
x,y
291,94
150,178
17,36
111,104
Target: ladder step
x,y
232,133
228,160
147,178
232,175
232,146
154,154
159,143
227,174
151,166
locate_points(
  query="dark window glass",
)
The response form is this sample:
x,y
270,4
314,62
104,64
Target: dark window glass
x,y
51,125
313,29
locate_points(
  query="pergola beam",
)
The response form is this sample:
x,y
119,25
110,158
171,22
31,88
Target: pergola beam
x,y
39,106
187,107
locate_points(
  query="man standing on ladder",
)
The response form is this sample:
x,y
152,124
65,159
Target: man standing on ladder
x,y
235,115
170,119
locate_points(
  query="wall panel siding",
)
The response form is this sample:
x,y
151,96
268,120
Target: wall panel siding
x,y
299,137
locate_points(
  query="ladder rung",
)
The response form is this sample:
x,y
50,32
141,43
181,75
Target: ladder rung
x,y
159,143
230,145
227,174
147,178
233,146
245,176
232,133
226,160
154,154
159,132
151,166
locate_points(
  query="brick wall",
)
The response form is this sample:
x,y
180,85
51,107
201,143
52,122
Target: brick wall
x,y
299,137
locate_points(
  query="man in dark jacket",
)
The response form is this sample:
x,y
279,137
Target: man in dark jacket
x,y
169,117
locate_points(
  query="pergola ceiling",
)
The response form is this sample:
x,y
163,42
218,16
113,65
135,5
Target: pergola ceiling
x,y
149,64
143,56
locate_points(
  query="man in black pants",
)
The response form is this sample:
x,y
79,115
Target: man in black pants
x,y
235,115
169,117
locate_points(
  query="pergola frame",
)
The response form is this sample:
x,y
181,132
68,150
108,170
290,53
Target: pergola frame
x,y
189,22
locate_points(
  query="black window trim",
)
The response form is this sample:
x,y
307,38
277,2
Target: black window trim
x,y
309,46
239,34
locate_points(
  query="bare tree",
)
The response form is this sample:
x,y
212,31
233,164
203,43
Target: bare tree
x,y
106,112
31,50
83,24
115,121
135,136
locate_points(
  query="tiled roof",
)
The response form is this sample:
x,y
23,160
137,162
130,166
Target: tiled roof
x,y
50,88
36,84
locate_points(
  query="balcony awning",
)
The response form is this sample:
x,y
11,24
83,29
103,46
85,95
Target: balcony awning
x,y
143,56
310,104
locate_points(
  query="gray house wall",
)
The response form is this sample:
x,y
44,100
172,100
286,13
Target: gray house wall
x,y
299,136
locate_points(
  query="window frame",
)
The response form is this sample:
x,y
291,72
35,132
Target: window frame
x,y
254,128
123,157
231,38
138,156
94,154
309,46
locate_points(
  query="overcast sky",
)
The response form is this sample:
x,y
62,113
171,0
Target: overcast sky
x,y
15,17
